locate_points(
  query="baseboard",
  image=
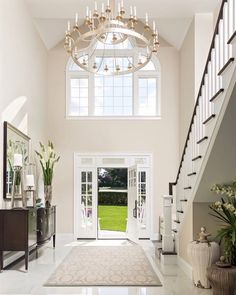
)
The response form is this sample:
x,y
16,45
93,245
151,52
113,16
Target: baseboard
x,y
65,236
186,267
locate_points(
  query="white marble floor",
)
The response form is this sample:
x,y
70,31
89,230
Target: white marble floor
x,y
109,234
16,281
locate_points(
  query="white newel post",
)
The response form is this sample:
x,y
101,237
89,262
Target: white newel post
x,y
167,239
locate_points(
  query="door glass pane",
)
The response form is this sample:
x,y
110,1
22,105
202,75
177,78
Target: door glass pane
x,y
89,189
89,176
83,188
86,199
142,192
83,177
83,200
89,200
143,176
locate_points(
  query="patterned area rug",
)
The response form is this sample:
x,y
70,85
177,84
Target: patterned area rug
x,y
105,266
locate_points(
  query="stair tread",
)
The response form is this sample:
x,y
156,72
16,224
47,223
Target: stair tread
x,y
197,158
192,173
202,139
187,187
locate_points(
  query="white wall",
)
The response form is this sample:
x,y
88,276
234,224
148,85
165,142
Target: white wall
x,y
159,137
187,83
193,56
202,41
23,73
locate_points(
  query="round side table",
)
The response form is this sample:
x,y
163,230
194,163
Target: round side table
x,y
222,280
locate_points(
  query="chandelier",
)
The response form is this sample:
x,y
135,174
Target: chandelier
x,y
96,45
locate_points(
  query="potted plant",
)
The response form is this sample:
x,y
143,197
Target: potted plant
x,y
47,159
225,211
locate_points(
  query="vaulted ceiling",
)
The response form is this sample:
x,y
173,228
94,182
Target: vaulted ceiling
x,y
173,17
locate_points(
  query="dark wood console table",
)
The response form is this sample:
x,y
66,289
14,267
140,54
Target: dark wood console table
x,y
46,225
25,230
18,232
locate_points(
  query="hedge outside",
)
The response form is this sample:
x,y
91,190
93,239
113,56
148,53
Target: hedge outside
x,y
112,198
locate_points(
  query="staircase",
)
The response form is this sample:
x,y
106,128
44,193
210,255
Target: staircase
x,y
214,94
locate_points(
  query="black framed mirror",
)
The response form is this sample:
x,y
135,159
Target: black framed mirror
x,y
14,142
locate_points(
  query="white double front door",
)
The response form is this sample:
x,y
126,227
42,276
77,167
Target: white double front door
x,y
86,203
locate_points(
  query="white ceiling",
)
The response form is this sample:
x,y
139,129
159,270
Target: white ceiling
x,y
173,17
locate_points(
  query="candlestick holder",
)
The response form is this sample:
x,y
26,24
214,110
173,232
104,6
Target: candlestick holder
x,y
30,195
18,182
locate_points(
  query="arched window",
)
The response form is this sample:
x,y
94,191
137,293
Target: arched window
x,y
132,95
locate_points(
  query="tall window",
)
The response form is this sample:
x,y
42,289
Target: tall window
x,y
132,95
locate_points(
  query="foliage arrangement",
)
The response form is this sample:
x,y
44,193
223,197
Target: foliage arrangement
x,y
47,159
225,211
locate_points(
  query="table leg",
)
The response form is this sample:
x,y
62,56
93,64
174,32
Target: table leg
x,y
1,261
54,240
26,259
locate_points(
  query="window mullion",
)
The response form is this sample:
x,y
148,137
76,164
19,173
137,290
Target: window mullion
x,y
135,95
135,89
68,93
91,98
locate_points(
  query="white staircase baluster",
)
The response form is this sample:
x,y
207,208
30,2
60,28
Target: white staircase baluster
x,y
221,38
225,33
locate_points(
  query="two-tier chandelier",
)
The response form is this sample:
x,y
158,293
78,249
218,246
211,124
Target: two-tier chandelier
x,y
96,45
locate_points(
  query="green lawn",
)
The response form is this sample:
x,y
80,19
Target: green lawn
x,y
112,217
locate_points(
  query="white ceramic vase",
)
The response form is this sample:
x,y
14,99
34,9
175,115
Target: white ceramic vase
x,y
202,256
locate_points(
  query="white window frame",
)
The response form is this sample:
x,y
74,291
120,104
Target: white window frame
x,y
136,75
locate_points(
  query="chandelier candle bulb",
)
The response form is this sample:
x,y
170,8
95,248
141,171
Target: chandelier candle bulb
x,y
146,19
87,11
135,11
95,6
131,11
76,19
17,160
68,26
154,26
103,9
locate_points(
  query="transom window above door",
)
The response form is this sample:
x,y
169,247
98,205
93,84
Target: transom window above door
x,y
132,95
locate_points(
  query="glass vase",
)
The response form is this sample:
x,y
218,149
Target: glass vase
x,y
48,195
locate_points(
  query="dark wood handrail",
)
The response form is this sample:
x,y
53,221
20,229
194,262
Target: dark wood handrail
x,y
220,16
